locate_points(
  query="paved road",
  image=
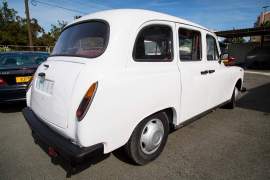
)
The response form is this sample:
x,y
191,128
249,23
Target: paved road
x,y
225,144
261,72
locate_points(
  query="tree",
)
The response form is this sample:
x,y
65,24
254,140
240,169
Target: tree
x,y
57,29
234,40
238,40
13,28
51,37
6,14
266,24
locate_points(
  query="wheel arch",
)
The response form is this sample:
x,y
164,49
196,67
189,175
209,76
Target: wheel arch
x,y
171,114
238,84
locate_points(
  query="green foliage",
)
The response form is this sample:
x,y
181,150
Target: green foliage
x,y
6,14
13,29
234,40
238,40
266,24
56,29
49,39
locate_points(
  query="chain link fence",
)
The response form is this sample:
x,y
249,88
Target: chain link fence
x,y
7,48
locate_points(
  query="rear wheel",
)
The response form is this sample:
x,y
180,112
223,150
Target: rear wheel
x,y
148,139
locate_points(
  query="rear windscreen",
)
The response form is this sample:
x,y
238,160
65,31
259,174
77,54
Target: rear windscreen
x,y
88,39
19,60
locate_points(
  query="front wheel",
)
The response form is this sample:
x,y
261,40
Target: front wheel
x,y
148,139
232,103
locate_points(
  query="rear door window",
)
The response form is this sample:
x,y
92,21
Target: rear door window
x,y
190,45
87,39
154,43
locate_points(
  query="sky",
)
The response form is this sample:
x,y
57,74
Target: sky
x,y
213,14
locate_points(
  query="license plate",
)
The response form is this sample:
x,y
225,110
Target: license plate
x,y
23,79
45,85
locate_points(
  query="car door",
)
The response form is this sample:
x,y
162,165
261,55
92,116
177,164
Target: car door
x,y
193,71
217,78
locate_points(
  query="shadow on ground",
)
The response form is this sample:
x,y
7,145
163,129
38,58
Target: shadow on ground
x,y
73,168
121,155
257,98
12,107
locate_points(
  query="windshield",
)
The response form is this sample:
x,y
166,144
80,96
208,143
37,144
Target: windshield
x,y
88,39
22,60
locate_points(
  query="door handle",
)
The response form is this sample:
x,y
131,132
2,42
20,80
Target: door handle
x,y
211,71
204,72
42,74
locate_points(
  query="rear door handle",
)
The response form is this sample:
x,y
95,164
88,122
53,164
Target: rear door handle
x,y
204,72
42,74
211,71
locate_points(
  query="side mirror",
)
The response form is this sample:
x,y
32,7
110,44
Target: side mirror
x,y
223,57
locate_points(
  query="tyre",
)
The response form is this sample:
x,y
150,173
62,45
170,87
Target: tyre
x,y
148,139
232,103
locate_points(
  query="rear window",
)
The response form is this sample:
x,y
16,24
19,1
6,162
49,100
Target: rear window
x,y
88,39
21,60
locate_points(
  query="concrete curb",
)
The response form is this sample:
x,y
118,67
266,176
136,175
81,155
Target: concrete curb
x,y
258,72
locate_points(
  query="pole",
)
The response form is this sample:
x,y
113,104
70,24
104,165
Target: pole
x,y
262,40
28,24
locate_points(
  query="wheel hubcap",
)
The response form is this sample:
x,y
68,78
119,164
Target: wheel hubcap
x,y
151,136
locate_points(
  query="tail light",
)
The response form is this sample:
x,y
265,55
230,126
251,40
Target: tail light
x,y
86,101
2,81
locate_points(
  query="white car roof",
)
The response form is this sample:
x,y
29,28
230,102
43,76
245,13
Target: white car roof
x,y
134,16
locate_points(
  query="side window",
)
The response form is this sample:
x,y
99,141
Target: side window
x,y
190,46
154,43
212,51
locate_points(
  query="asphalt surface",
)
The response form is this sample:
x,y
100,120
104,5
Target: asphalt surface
x,y
225,144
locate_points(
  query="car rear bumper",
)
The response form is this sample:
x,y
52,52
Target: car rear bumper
x,y
52,140
14,93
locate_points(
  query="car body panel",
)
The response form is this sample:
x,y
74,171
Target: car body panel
x,y
51,97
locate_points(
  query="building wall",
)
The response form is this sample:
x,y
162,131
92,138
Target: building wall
x,y
264,17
